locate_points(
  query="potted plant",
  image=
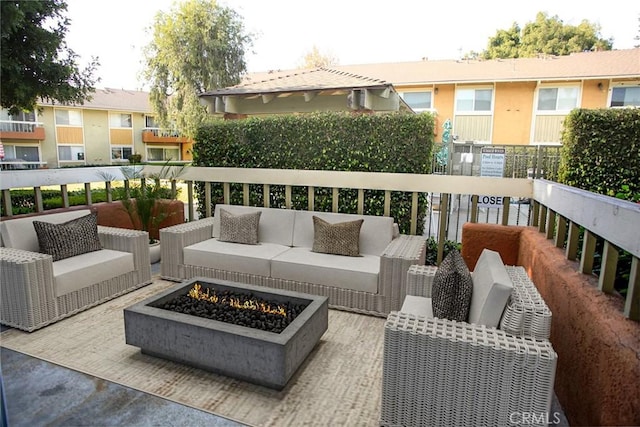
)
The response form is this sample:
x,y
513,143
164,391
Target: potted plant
x,y
146,201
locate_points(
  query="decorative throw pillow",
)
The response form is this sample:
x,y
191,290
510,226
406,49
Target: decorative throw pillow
x,y
70,238
452,288
241,228
342,238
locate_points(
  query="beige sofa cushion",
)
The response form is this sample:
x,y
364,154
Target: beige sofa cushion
x,y
250,259
303,265
375,234
19,233
276,225
491,289
84,270
420,306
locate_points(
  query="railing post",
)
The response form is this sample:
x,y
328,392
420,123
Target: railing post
x,y
190,203
311,193
505,210
561,231
387,203
572,241
442,227
245,194
474,208
266,195
551,223
6,198
207,197
609,264
360,201
588,249
64,193
87,193
414,213
287,196
38,196
107,189
632,304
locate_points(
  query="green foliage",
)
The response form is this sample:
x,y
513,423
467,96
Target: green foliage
x,y
36,62
432,250
601,152
396,143
546,35
198,46
24,201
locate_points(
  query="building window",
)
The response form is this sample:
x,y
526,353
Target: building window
x,y
121,153
156,154
150,122
418,101
558,98
628,96
120,120
70,153
473,100
18,122
69,117
25,153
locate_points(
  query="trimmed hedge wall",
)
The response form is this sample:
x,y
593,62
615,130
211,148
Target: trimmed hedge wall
x,y
601,152
395,143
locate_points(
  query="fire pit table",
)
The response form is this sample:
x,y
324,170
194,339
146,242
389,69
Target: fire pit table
x,y
257,356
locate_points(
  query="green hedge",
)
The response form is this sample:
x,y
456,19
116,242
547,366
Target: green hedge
x,y
396,143
601,152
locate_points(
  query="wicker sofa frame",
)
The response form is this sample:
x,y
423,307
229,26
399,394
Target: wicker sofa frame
x,y
400,254
28,299
438,372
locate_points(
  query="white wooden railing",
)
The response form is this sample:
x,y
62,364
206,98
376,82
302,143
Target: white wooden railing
x,y
554,206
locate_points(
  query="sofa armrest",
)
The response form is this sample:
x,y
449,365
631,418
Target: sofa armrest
x,y
174,239
27,295
133,241
420,280
526,313
398,256
462,374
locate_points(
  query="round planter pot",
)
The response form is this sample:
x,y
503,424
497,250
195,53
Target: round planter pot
x,y
154,252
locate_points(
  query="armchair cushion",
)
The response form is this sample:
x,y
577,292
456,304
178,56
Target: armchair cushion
x,y
452,289
241,228
492,287
75,237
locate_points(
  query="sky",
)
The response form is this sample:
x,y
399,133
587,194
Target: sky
x,y
352,31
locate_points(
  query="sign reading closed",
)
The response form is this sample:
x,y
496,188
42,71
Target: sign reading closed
x,y
491,164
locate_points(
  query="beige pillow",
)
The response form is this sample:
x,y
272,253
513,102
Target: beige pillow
x,y
342,238
241,228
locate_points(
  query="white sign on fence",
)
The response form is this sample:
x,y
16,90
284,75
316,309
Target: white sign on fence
x,y
491,164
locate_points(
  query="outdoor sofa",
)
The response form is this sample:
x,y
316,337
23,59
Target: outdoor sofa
x,y
96,264
372,282
495,368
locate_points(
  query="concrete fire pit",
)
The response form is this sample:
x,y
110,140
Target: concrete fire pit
x,y
260,357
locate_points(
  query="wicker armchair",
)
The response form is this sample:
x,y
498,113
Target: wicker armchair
x,y
30,298
438,372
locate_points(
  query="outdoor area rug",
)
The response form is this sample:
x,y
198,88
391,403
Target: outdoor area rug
x,y
338,384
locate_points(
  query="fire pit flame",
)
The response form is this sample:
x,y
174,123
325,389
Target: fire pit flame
x,y
250,304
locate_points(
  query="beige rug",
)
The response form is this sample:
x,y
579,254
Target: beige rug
x,y
339,383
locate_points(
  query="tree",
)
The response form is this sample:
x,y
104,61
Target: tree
x,y
198,46
546,35
35,61
317,59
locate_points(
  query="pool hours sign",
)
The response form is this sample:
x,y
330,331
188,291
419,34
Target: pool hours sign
x,y
491,164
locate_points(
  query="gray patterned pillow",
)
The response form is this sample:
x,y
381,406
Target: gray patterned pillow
x,y
342,238
452,288
241,228
70,238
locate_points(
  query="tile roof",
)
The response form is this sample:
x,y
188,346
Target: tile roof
x,y
300,80
605,64
117,100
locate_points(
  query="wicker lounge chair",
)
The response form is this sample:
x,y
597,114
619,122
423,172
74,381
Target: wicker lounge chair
x,y
438,372
36,291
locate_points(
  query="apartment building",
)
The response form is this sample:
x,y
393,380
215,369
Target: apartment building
x,y
520,101
106,130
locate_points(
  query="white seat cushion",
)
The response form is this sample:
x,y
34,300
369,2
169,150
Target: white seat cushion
x,y
303,265
87,269
250,259
491,289
420,306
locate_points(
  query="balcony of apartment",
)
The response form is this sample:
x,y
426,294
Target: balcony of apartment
x,y
19,130
594,329
163,136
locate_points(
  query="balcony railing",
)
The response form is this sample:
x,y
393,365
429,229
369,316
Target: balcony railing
x,y
557,210
162,135
10,129
8,164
